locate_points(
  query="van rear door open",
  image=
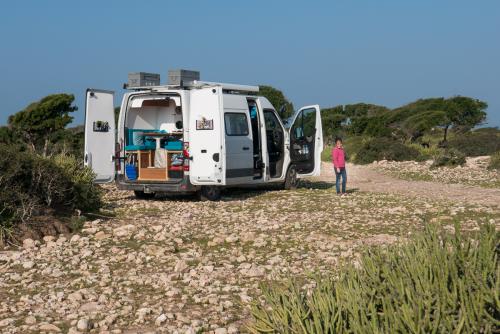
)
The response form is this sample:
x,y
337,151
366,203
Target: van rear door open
x,y
100,134
205,137
306,141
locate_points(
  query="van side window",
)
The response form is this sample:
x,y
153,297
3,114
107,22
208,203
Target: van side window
x,y
236,124
305,124
271,120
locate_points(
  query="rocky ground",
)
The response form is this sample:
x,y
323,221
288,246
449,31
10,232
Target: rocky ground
x,y
179,265
473,173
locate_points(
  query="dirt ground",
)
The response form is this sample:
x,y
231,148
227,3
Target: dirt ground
x,y
367,178
177,265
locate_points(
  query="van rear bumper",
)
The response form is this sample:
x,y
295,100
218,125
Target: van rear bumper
x,y
182,187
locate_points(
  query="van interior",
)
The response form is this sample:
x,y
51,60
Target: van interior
x,y
275,143
154,139
256,138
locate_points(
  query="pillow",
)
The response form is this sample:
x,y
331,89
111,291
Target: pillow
x,y
137,138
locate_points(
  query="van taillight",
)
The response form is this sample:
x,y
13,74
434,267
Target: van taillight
x,y
185,154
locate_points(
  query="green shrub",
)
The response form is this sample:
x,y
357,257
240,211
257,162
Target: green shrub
x,y
476,143
385,149
326,155
351,144
31,185
449,157
426,153
495,161
436,283
87,196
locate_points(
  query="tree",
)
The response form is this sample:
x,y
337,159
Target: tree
x,y
40,121
332,120
418,124
277,99
463,113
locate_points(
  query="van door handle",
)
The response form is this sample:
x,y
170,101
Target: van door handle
x,y
246,148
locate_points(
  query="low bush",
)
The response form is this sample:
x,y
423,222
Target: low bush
x,y
426,153
438,282
476,143
352,145
385,149
495,161
34,186
87,196
449,157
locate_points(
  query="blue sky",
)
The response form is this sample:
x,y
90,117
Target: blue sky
x,y
387,52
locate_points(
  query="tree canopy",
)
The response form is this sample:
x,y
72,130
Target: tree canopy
x,y
277,99
407,123
40,121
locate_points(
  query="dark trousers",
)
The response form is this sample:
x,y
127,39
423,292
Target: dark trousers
x,y
342,174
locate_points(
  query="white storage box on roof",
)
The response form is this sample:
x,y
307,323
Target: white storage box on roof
x,y
143,79
182,77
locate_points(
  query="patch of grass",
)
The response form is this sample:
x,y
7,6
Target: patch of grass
x,y
437,282
495,161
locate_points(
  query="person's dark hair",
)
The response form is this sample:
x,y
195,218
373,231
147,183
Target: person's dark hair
x,y
338,139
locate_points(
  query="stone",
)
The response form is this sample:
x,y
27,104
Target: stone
x,y
75,297
124,231
161,319
49,238
28,243
254,271
90,307
101,235
232,329
6,322
30,320
74,238
28,264
45,327
83,325
220,330
180,266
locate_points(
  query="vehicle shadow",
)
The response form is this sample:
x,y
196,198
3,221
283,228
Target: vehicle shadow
x,y
244,193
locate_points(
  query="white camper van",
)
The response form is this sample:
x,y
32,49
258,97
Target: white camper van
x,y
193,136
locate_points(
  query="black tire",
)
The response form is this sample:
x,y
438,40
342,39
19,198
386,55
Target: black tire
x,y
139,194
291,180
210,193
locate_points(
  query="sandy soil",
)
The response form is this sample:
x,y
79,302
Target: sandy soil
x,y
365,178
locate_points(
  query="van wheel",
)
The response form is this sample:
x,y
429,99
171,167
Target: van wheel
x,y
291,180
210,193
139,194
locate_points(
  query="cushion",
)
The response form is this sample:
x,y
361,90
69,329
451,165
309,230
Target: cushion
x,y
137,138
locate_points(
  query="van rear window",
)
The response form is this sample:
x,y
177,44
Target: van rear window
x,y
236,124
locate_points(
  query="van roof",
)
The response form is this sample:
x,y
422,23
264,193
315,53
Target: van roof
x,y
227,87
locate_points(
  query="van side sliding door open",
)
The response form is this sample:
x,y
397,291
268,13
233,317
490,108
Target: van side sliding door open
x,y
306,141
100,134
205,137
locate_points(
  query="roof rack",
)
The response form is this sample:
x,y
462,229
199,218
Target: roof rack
x,y
226,86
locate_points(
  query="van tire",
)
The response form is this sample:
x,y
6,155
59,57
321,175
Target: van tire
x,y
139,194
210,193
291,180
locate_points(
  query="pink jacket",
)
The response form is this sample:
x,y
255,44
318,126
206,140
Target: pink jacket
x,y
338,156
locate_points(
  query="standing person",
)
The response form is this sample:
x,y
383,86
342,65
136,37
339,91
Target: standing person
x,y
338,156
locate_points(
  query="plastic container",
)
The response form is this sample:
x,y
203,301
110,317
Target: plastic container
x,y
174,145
131,172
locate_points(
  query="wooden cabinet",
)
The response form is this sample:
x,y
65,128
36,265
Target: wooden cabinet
x,y
145,164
